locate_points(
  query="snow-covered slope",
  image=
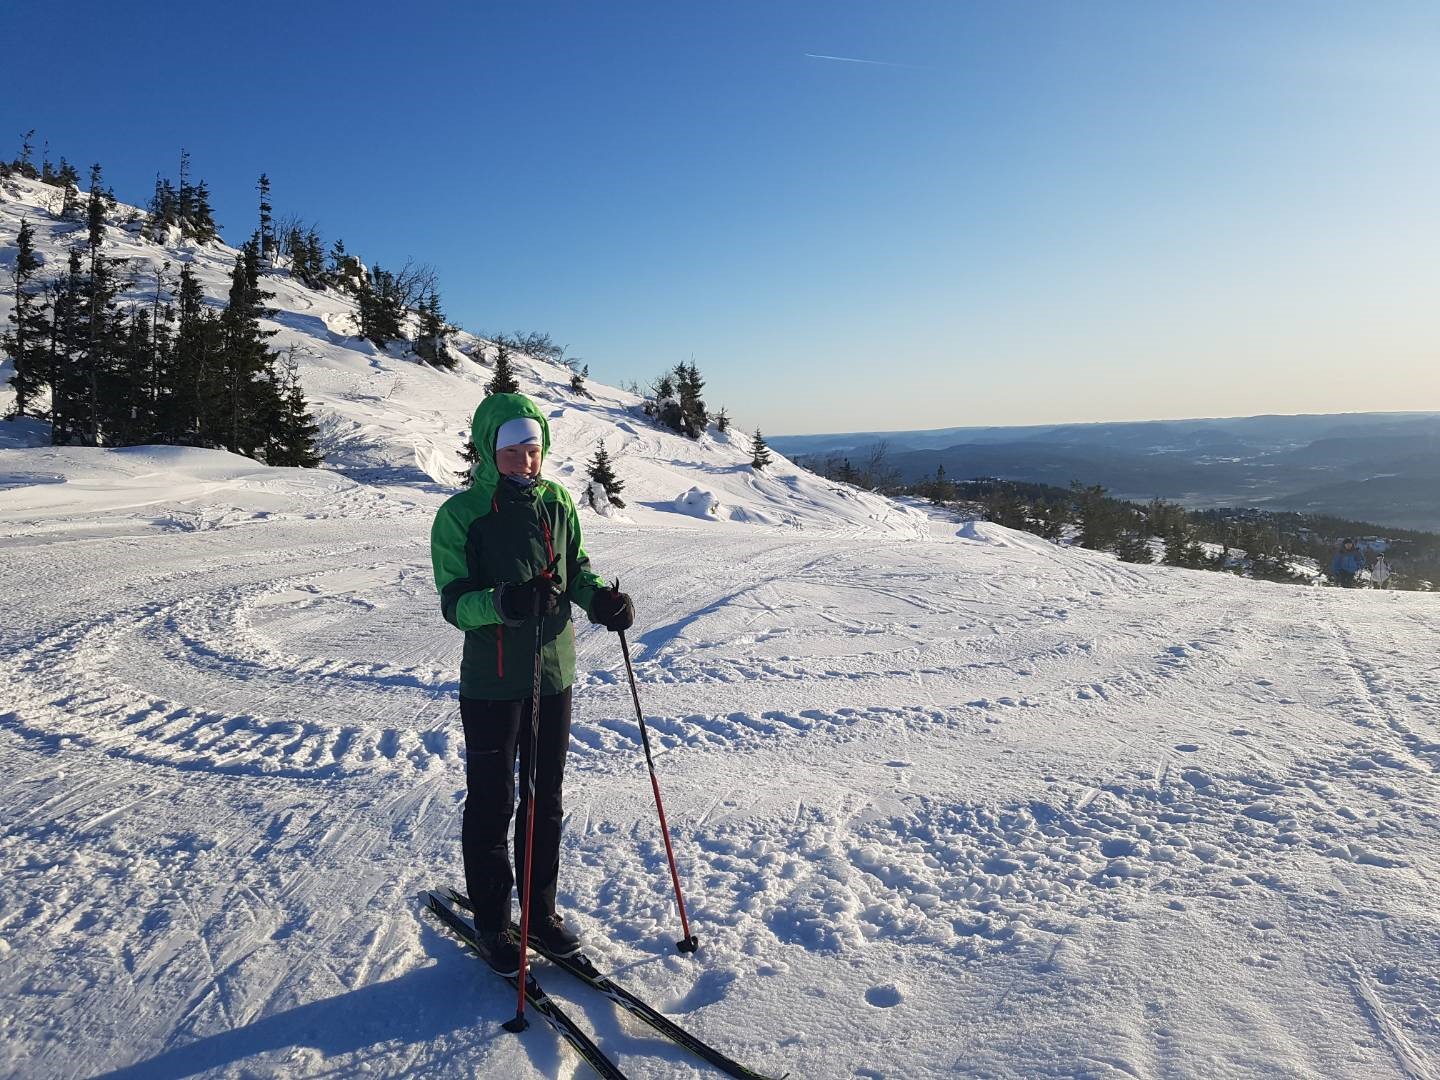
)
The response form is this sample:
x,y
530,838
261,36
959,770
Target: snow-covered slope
x,y
384,415
947,800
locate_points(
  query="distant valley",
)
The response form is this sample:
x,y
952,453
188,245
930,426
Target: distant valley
x,y
1381,467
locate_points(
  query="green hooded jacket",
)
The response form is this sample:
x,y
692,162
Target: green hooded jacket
x,y
493,533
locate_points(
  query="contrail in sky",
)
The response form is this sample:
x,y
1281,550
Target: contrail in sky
x,y
854,60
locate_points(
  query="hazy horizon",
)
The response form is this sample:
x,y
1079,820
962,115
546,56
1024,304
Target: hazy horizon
x,y
1077,423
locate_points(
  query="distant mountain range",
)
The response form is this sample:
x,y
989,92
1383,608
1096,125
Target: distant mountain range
x,y
1382,467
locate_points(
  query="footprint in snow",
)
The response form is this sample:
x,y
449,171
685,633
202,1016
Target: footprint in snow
x,y
885,996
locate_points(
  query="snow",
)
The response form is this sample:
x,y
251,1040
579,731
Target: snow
x,y
947,800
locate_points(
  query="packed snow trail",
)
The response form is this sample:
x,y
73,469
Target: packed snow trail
x,y
965,805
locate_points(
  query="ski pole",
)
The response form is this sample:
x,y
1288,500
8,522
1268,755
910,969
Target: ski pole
x,y
689,943
519,1023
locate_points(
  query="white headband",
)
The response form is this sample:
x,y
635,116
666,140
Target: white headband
x,y
521,431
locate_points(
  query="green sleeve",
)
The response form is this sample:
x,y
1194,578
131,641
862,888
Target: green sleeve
x,y
582,581
466,603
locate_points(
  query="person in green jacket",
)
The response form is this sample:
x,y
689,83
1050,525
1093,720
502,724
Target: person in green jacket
x,y
508,563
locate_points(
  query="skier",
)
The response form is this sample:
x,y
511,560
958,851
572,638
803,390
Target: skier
x,y
1346,564
1381,572
504,549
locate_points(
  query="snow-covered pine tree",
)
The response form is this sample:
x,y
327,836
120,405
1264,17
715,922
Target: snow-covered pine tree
x,y
693,417
25,344
503,381
759,452
722,421
577,381
602,474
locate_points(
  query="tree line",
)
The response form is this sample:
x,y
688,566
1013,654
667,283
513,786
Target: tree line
x,y
104,368
1264,544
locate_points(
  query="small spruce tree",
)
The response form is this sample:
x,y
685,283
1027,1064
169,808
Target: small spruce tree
x,y
601,473
759,452
503,381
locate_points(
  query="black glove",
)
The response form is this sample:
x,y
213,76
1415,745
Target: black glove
x,y
612,609
517,602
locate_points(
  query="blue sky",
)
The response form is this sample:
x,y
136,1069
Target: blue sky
x,y
1024,212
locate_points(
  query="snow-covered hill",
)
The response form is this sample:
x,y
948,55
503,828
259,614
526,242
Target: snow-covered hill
x,y
947,800
386,415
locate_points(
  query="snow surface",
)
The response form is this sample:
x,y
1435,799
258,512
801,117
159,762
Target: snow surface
x,y
948,800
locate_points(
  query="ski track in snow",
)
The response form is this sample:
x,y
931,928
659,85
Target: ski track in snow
x,y
958,772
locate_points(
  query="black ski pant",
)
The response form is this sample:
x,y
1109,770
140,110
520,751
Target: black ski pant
x,y
494,732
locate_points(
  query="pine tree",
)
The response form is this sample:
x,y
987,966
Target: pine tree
x,y
252,401
67,344
471,457
759,452
25,344
69,180
693,417
389,312
1133,546
722,421
292,442
128,388
193,390
22,164
315,260
203,227
159,365
601,473
267,225
577,382
430,345
99,203
503,381
103,326
1099,518
185,195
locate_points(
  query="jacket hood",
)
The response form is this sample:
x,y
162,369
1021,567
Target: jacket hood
x,y
491,413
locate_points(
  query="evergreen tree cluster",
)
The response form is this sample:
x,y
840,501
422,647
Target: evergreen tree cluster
x,y
303,250
675,401
185,207
168,370
1253,543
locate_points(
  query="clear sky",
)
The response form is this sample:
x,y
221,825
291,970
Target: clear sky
x,y
851,215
